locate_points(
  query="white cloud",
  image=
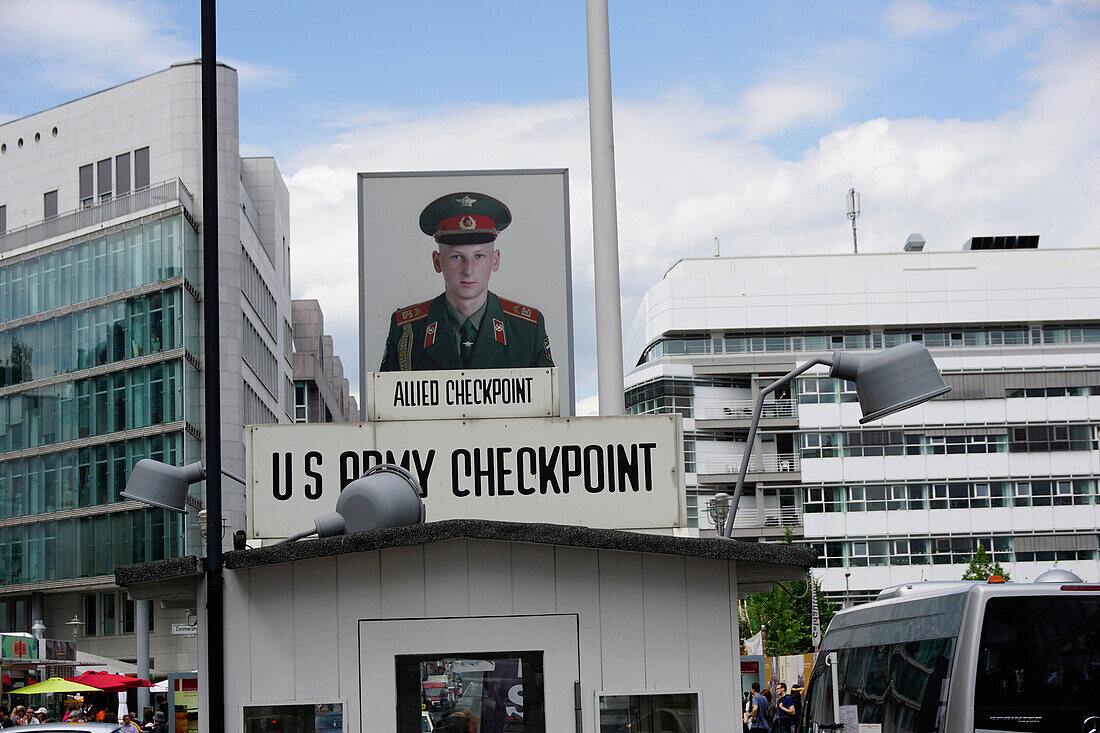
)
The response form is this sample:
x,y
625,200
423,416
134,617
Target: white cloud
x,y
588,406
911,18
682,181
770,108
82,45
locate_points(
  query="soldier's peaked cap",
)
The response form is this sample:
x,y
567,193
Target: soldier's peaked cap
x,y
464,217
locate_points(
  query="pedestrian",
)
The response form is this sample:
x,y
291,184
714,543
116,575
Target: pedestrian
x,y
19,715
796,693
5,721
128,725
784,716
757,717
159,726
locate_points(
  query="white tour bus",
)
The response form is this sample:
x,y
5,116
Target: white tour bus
x,y
958,657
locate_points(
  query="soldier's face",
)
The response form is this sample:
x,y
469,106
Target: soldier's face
x,y
466,268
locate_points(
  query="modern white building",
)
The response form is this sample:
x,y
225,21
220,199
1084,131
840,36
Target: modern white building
x,y
101,353
1009,459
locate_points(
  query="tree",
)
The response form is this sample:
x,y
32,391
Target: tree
x,y
787,621
981,567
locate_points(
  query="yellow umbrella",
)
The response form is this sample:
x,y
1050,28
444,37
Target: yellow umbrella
x,y
54,684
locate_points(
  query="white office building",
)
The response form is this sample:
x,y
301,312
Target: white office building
x,y
1009,459
101,352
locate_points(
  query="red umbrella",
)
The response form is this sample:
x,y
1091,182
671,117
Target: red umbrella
x,y
109,682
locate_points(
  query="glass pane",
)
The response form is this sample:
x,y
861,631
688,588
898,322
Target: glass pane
x,y
326,717
652,713
490,692
1037,662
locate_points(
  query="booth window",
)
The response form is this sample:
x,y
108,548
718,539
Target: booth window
x,y
650,712
501,691
315,718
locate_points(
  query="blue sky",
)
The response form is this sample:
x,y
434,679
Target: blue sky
x,y
745,121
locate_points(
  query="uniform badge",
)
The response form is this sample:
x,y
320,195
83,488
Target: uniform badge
x,y
429,334
467,222
546,346
498,331
466,201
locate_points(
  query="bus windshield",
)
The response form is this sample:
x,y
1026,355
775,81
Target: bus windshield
x,y
1038,663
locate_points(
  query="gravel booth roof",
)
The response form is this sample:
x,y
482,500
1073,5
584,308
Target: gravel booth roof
x,y
759,562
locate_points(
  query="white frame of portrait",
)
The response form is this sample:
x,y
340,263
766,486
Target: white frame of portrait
x,y
401,274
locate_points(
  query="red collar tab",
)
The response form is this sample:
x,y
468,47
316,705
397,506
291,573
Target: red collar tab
x,y
498,332
429,334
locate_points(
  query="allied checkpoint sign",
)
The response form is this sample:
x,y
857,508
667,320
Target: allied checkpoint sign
x,y
463,394
617,472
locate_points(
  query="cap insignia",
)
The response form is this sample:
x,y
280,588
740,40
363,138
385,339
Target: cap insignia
x,y
466,201
467,222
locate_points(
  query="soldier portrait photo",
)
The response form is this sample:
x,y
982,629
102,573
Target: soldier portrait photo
x,y
467,326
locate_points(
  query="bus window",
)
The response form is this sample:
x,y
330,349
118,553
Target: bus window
x,y
898,686
1038,663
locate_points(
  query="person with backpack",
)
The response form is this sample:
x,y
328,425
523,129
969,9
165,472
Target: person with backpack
x,y
757,717
784,715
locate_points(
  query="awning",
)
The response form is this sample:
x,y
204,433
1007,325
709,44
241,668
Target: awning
x,y
87,660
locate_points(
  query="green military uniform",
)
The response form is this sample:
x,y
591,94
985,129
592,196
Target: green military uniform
x,y
422,337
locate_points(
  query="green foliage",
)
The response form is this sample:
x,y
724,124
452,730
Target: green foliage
x,y
787,620
981,567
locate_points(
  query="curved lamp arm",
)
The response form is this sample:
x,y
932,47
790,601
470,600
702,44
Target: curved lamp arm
x,y
756,410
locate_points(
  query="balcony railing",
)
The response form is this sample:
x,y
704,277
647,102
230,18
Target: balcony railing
x,y
730,463
751,517
146,198
742,410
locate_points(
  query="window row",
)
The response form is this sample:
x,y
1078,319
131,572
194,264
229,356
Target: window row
x,y
867,340
825,390
87,546
936,551
258,294
1029,439
1014,392
127,258
255,411
950,495
94,337
126,400
106,186
83,477
258,356
108,613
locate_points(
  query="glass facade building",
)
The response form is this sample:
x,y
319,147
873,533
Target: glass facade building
x,y
97,337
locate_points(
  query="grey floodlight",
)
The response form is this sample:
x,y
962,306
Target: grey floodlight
x,y
165,486
159,484
891,380
385,496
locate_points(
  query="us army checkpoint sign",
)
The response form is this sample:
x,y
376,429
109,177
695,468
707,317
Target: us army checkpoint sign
x,y
617,472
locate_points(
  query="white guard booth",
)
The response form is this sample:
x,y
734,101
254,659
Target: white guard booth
x,y
543,628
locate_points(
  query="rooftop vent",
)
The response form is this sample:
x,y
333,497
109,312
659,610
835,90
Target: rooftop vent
x,y
915,243
1014,241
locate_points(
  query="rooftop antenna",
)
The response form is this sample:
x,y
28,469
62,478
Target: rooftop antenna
x,y
853,212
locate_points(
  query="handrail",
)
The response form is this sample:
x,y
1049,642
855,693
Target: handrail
x,y
70,221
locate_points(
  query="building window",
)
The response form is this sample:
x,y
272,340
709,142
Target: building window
x,y
313,718
103,179
497,687
301,406
141,168
3,219
650,712
122,174
49,205
87,186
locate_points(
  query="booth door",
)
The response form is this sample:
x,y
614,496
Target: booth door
x,y
511,673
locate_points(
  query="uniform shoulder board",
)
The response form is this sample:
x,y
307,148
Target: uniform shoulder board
x,y
520,311
411,313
